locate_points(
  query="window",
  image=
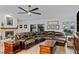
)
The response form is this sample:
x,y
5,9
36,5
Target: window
x,y
9,20
40,27
33,27
68,27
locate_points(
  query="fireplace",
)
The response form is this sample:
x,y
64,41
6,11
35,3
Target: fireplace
x,y
9,34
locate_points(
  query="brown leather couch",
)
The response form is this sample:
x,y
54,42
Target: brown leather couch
x,y
28,38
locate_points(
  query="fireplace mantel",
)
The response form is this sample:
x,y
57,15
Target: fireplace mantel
x,y
9,27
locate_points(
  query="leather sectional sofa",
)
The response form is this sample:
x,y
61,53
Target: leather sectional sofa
x,y
29,39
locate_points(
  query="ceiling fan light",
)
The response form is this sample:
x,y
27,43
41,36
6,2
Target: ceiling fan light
x,y
29,13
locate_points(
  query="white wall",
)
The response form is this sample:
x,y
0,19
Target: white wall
x,y
44,21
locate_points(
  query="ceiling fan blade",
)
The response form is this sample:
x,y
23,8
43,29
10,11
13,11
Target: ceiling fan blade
x,y
36,13
21,12
23,9
34,9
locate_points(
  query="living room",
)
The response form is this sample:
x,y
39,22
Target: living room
x,y
27,27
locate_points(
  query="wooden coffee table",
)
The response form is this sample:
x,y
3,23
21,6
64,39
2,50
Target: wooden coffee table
x,y
47,47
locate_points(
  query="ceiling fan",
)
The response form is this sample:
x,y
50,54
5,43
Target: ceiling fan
x,y
29,11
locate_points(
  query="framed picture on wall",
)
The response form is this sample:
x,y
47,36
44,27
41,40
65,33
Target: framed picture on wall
x,y
20,26
25,26
53,25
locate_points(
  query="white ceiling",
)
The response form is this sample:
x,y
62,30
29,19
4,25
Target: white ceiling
x,y
47,11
